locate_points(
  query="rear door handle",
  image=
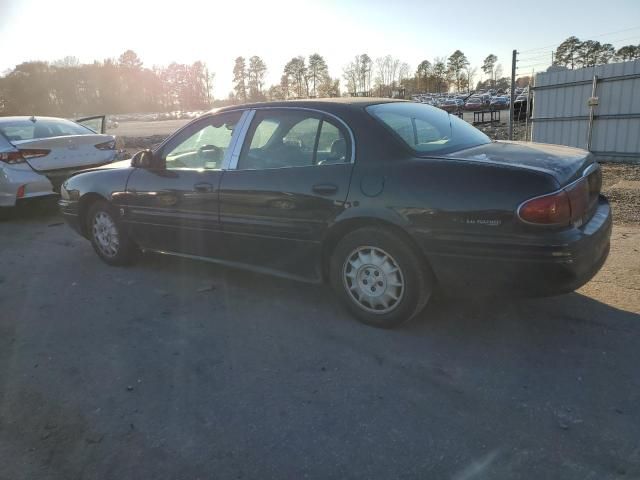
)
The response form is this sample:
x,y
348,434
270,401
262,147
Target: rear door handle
x,y
325,188
203,187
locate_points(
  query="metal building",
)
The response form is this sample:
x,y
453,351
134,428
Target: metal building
x,y
596,108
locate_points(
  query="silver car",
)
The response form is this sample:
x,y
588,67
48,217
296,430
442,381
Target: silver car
x,y
38,153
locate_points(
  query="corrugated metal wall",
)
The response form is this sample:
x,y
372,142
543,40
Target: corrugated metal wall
x,y
561,111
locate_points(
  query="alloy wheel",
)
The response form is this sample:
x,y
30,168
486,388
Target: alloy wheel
x,y
105,234
373,279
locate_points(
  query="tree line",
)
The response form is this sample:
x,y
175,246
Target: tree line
x,y
66,87
123,85
575,53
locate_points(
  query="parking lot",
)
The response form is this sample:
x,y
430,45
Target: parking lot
x,y
178,369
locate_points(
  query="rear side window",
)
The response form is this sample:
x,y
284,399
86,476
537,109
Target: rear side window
x,y
18,130
292,138
425,129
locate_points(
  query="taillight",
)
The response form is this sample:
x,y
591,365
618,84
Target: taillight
x,y
11,157
110,145
579,200
552,209
29,153
571,205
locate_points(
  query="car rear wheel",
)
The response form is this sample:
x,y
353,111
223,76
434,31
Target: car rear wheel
x,y
381,279
109,239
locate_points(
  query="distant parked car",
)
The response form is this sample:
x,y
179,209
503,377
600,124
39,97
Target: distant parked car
x,y
450,106
38,153
521,107
499,103
474,103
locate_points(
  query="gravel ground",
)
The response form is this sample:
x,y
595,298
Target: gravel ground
x,y
172,369
621,184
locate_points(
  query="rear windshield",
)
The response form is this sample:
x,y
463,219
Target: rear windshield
x,y
425,129
17,130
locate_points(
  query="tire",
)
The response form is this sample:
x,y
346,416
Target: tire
x,y
392,296
107,235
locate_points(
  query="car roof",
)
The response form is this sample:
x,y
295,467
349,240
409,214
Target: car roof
x,y
326,104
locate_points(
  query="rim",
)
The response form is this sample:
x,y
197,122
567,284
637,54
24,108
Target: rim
x,y
373,279
105,234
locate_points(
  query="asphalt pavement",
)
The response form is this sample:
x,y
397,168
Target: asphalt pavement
x,y
174,369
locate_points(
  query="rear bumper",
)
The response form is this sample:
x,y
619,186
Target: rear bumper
x,y
566,261
13,177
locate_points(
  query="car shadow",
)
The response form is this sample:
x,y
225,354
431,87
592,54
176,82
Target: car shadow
x,y
34,209
462,318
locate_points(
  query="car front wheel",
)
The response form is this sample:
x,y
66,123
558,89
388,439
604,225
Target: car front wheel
x,y
381,279
107,235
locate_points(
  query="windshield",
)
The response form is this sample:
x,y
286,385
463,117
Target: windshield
x,y
427,130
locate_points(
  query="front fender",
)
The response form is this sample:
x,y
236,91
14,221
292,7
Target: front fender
x,y
110,184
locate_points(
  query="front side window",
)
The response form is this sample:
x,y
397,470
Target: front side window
x,y
427,130
204,147
289,138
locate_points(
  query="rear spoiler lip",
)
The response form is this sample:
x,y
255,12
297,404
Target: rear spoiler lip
x,y
21,142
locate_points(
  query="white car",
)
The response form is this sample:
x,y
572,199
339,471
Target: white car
x,y
38,153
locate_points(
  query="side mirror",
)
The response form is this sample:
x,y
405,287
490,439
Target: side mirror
x,y
143,159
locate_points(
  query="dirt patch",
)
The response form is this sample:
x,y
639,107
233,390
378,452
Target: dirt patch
x,y
133,144
500,131
621,185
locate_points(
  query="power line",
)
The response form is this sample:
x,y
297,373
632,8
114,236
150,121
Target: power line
x,y
591,37
537,57
526,67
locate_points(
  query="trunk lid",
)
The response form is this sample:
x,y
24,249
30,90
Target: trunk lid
x,y
565,164
68,152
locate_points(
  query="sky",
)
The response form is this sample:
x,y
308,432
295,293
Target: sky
x,y
217,31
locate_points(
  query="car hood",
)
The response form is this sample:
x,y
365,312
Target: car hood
x,y
563,163
111,166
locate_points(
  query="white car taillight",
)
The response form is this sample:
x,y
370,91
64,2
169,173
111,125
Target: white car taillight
x,y
12,158
29,153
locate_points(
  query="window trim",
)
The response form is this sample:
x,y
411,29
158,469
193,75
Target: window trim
x,y
191,128
242,136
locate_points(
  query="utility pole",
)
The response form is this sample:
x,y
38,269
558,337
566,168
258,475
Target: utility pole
x,y
513,91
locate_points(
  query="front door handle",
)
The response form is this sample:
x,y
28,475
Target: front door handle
x,y
203,187
325,188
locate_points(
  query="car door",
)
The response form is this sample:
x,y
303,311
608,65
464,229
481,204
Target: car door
x,y
284,187
174,207
96,123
